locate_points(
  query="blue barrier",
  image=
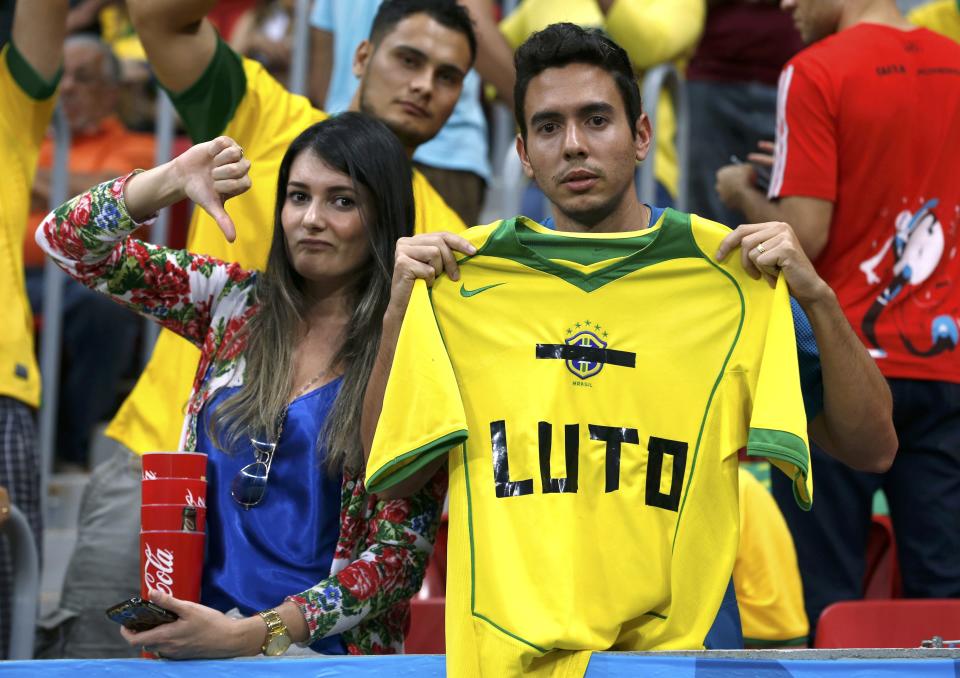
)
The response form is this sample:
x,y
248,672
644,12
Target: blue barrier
x,y
602,665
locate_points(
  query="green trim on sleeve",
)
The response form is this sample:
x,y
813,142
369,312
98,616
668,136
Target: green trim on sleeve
x,y
788,447
396,471
764,442
208,105
32,83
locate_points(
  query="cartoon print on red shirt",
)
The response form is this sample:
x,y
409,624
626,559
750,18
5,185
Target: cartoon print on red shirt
x,y
918,246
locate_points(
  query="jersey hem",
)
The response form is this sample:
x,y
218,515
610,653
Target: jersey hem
x,y
396,470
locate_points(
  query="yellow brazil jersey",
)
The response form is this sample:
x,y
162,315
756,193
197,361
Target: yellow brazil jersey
x,y
765,574
238,98
651,31
26,106
592,392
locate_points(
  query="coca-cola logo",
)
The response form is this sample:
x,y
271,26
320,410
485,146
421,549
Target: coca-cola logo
x,y
158,569
149,475
194,501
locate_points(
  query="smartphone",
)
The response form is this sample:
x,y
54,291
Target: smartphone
x,y
761,173
140,615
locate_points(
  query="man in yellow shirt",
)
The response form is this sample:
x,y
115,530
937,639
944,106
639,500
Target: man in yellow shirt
x,y
29,73
579,139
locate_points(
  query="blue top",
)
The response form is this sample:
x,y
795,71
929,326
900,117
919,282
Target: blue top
x,y
461,143
284,545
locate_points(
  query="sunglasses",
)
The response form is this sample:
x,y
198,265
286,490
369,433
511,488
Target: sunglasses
x,y
250,484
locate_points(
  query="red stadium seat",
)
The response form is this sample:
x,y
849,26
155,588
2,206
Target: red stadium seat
x,y
881,578
426,634
902,623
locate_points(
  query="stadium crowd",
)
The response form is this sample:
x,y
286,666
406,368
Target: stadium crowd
x,y
785,353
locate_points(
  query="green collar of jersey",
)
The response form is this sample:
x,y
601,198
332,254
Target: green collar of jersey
x,y
528,243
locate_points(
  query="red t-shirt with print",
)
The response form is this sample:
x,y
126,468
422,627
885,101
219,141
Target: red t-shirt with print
x,y
869,119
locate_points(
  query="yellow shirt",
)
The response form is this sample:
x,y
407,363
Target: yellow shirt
x,y
651,31
26,107
766,576
238,98
591,392
942,17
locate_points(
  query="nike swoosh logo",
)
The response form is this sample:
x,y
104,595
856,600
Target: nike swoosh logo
x,y
464,292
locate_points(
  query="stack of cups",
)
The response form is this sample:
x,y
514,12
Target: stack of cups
x,y
172,523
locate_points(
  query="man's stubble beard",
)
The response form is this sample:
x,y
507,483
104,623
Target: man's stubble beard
x,y
590,217
408,139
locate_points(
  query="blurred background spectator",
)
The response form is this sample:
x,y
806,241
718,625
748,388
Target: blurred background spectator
x,y
456,161
99,337
940,16
732,87
264,32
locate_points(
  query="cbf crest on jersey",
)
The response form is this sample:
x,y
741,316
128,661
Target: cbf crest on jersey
x,y
581,366
585,351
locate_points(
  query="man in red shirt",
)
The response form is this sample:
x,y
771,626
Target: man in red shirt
x,y
866,166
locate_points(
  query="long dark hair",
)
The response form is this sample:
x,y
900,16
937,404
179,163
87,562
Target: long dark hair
x,y
371,155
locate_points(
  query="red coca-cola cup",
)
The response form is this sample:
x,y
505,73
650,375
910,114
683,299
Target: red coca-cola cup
x,y
172,517
174,465
171,562
182,491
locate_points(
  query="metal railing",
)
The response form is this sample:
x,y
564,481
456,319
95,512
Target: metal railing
x,y
666,76
300,59
53,279
166,122
26,585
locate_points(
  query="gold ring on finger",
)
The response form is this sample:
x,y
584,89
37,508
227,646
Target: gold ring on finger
x,y
761,249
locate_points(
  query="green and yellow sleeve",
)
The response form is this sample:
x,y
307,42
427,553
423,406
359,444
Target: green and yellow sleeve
x,y
422,416
778,423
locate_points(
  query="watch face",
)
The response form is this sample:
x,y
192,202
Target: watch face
x,y
277,645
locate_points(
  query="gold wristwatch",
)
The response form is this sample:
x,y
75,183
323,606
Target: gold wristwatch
x,y
278,638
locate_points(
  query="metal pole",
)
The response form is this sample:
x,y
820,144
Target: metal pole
x,y
681,108
53,279
165,124
658,77
26,585
300,59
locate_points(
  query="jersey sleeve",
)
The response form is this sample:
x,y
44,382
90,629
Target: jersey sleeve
x,y
26,99
422,415
805,160
207,106
778,423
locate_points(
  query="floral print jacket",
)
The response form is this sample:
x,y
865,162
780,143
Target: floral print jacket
x,y
383,547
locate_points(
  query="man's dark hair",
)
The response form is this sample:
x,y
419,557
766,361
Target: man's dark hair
x,y
447,13
560,45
